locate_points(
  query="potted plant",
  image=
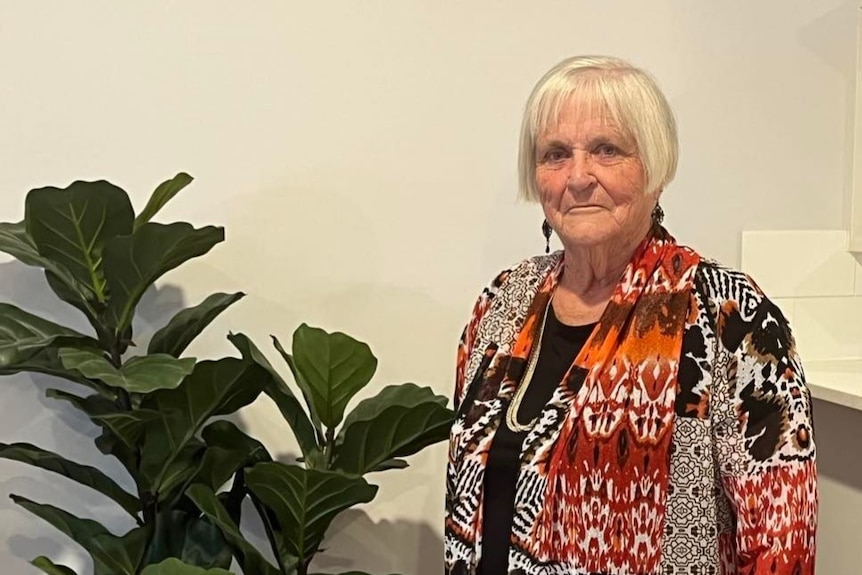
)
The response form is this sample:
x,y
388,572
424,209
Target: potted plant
x,y
156,409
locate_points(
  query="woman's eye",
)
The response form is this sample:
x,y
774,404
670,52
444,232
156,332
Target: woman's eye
x,y
555,156
607,151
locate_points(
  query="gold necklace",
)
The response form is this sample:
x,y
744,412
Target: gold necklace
x,y
512,413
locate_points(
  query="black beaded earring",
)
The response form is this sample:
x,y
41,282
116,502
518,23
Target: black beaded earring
x,y
657,215
546,231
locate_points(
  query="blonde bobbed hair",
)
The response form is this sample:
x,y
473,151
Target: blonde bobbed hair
x,y
626,95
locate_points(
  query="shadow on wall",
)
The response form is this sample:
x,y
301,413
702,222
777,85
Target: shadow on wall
x,y
355,542
381,547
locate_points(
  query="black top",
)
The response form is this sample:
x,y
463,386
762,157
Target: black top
x,y
560,345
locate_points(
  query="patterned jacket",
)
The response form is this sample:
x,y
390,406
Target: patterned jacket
x,y
741,494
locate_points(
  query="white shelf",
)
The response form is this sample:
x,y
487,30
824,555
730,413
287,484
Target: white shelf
x,y
836,381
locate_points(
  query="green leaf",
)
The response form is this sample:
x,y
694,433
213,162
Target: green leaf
x,y
333,367
249,558
23,335
47,361
142,374
133,263
305,501
186,325
161,196
70,227
83,474
177,567
51,568
276,388
129,426
15,242
213,388
75,298
111,555
92,405
390,464
397,422
189,538
148,373
304,388
228,449
184,466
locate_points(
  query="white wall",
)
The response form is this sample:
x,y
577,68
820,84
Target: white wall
x,y
362,157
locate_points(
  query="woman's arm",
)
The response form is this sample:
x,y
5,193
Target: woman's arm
x,y
762,423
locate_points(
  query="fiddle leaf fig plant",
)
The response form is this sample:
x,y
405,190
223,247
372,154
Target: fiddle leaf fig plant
x,y
161,414
297,502
155,409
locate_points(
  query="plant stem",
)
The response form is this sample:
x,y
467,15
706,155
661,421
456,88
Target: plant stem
x,y
116,354
148,503
123,399
327,447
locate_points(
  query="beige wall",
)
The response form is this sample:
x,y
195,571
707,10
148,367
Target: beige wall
x,y
361,156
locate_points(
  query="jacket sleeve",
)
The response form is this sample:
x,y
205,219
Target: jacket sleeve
x,y
762,421
466,345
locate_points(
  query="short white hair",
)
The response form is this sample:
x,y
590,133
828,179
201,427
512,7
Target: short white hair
x,y
627,95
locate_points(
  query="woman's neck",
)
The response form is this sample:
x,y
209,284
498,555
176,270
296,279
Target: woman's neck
x,y
597,269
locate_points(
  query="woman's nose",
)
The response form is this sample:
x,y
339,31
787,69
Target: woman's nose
x,y
581,174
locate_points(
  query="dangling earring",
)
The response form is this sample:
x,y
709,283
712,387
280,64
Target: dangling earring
x,y
546,231
657,215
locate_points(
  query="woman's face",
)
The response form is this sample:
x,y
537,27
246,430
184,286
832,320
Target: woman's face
x,y
591,181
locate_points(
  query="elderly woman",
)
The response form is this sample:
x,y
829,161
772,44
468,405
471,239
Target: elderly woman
x,y
625,406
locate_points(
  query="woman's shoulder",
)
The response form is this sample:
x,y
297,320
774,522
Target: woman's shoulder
x,y
740,308
528,270
513,288
724,285
536,266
